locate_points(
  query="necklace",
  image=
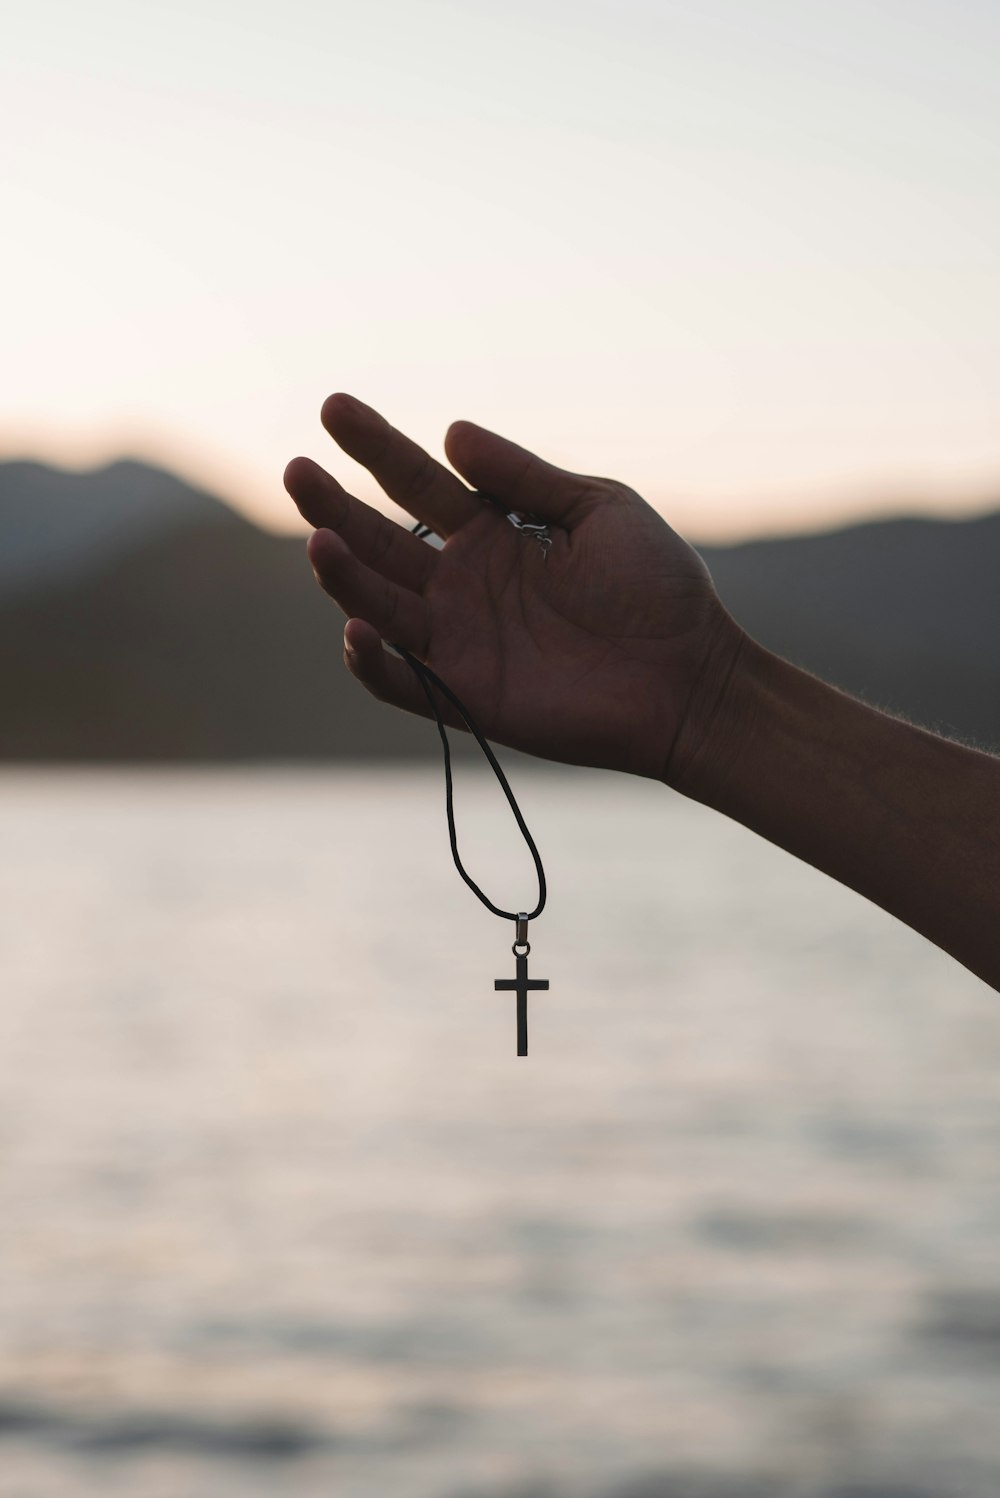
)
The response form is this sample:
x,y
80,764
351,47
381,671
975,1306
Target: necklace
x,y
520,984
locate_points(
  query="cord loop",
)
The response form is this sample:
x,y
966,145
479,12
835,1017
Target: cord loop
x,y
425,676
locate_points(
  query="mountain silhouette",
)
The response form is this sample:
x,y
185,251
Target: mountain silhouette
x,y
904,613
53,521
142,619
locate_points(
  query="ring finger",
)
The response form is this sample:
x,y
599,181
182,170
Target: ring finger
x,y
396,612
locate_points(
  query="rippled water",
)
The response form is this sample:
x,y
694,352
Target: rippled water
x,y
283,1212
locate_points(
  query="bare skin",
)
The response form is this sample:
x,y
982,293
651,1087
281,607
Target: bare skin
x,y
591,655
616,652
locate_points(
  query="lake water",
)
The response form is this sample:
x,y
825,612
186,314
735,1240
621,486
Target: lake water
x,y
282,1212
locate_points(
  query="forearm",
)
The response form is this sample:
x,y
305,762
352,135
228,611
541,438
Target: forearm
x,y
908,819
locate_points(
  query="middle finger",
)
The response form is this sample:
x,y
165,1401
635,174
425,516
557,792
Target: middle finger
x,y
410,476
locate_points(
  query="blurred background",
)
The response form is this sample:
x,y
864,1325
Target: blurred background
x,y
279,1209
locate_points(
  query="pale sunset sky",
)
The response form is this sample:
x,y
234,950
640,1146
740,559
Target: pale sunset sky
x,y
741,254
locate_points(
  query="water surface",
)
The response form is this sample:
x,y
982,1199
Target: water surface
x,y
281,1211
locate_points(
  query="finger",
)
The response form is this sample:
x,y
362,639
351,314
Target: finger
x,y
388,677
411,477
374,539
520,478
396,612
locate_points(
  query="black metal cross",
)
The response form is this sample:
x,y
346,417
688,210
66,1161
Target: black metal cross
x,y
520,985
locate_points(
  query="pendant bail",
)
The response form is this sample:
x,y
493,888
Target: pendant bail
x,y
522,928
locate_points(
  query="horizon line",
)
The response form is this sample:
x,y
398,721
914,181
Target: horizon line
x,y
832,513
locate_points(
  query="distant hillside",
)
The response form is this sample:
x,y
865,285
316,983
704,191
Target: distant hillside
x,y
905,613
182,632
52,522
212,642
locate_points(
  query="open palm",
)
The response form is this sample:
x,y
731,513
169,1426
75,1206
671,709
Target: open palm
x,y
592,654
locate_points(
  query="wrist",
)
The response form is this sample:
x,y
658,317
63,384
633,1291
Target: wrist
x,y
722,714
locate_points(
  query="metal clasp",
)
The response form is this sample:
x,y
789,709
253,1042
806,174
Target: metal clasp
x,y
529,524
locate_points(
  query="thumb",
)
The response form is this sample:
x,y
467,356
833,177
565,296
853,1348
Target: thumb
x,y
520,478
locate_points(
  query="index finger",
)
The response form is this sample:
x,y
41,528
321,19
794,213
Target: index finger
x,y
410,476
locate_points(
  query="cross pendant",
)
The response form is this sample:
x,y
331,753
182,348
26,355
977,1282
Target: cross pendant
x,y
521,984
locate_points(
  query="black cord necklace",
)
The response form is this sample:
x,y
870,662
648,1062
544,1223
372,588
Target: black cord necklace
x,y
520,984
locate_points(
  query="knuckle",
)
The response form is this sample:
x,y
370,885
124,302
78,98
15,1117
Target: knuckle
x,y
525,477
382,444
382,540
422,474
390,608
606,488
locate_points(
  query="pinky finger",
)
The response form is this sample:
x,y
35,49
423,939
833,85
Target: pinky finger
x,y
388,677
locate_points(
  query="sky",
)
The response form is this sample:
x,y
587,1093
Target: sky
x,y
741,256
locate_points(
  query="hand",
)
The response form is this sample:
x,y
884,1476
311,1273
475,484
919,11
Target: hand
x,y
611,651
